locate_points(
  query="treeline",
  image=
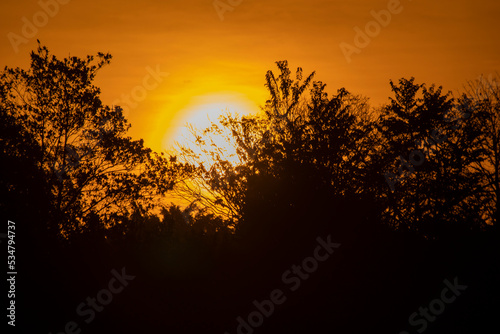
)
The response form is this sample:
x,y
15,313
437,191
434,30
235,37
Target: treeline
x,y
408,191
426,162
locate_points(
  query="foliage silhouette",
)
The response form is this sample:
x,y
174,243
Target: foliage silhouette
x,y
311,165
296,137
440,197
484,95
91,169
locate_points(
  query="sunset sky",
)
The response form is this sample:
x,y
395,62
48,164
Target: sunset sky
x,y
217,58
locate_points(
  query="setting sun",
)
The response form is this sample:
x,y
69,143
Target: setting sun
x,y
201,113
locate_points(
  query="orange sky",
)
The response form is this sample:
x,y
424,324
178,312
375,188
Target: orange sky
x,y
208,59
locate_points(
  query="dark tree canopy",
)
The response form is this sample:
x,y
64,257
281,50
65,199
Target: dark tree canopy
x,y
90,167
366,209
417,158
429,146
424,162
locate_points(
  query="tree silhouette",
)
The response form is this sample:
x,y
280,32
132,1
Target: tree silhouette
x,y
427,158
484,95
78,144
23,187
307,176
221,186
415,160
212,181
305,142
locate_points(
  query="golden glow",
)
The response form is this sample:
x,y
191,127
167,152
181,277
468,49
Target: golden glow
x,y
201,113
207,56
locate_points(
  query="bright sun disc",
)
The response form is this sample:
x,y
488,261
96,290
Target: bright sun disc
x,y
201,113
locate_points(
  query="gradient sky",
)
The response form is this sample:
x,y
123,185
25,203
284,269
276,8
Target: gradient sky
x,y
213,63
